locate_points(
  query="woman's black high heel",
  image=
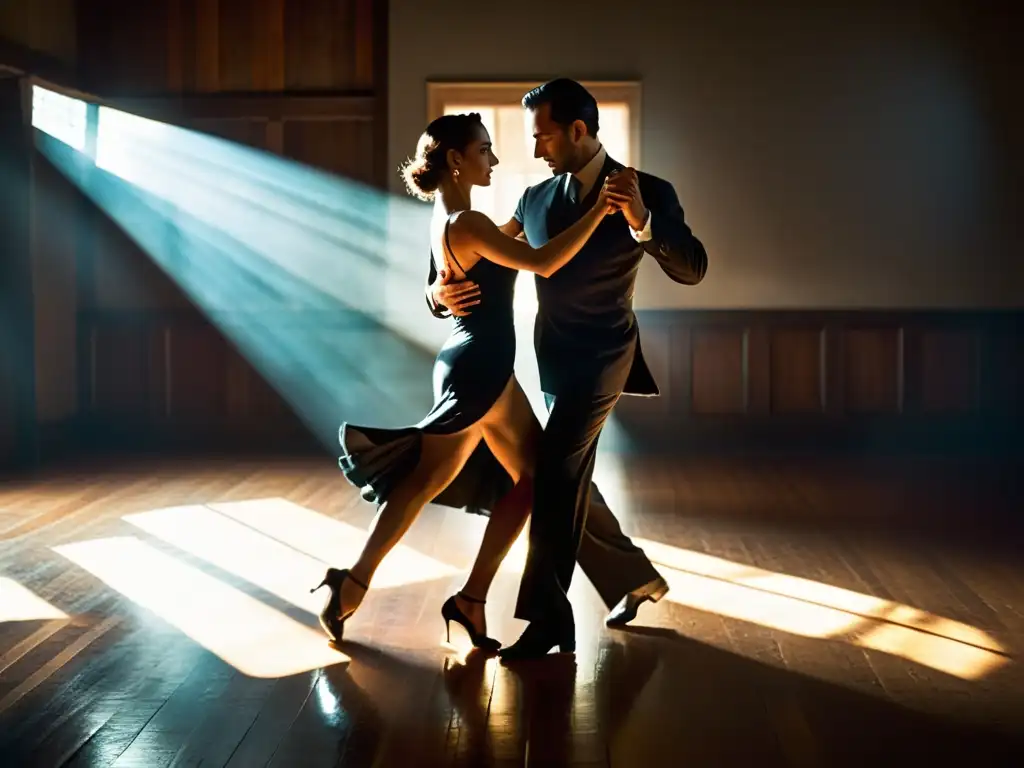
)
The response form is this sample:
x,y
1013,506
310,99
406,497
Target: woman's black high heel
x,y
330,617
450,612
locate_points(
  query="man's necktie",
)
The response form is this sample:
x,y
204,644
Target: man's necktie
x,y
567,207
572,193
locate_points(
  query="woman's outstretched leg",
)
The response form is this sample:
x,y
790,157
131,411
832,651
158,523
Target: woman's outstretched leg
x,y
441,459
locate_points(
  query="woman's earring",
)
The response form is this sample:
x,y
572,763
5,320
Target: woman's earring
x,y
455,173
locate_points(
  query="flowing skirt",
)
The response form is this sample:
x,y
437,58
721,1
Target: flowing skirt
x,y
470,373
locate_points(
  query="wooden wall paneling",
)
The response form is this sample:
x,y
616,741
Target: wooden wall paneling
x,y
197,374
126,277
189,47
88,223
123,48
758,370
341,146
949,370
274,139
56,210
911,354
257,106
382,171
321,46
1001,353
175,46
17,339
267,412
872,369
18,57
237,375
269,52
681,371
718,368
210,46
835,370
93,41
797,370
1010,351
365,44
820,375
178,375
175,376
237,46
122,373
250,132
158,344
249,404
207,46
8,411
306,36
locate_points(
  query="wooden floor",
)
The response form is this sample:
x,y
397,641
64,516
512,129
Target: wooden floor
x,y
156,612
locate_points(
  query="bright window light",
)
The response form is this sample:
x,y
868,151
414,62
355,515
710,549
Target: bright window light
x,y
60,116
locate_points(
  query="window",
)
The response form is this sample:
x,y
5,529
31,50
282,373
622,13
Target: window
x,y
500,107
61,116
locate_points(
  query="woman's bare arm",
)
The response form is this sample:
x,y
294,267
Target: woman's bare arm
x,y
480,234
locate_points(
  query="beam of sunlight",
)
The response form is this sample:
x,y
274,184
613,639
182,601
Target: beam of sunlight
x,y
765,608
235,190
810,591
812,609
316,279
955,658
915,618
282,569
331,541
239,550
18,603
244,632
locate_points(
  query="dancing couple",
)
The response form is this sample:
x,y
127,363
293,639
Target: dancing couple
x,y
583,232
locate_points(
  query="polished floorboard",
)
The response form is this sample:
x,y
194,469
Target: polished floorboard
x,y
823,612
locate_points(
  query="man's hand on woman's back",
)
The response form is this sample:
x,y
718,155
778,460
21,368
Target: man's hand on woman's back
x,y
457,297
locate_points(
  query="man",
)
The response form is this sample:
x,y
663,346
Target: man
x,y
588,354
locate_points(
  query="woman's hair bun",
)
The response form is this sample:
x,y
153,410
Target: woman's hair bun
x,y
424,171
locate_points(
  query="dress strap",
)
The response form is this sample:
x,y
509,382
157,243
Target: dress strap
x,y
448,247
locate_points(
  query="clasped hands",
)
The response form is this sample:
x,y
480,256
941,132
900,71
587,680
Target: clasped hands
x,y
622,189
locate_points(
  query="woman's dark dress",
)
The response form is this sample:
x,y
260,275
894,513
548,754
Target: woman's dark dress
x,y
470,373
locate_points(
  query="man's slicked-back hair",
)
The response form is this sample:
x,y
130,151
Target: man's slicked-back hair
x,y
569,102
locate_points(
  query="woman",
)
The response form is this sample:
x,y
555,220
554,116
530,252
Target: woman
x,y
479,412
